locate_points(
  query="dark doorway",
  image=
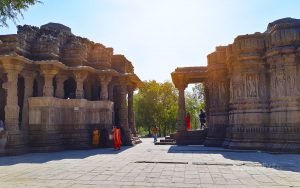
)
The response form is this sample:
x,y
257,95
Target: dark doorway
x,y
2,100
104,140
21,87
70,88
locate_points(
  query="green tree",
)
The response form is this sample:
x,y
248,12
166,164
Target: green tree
x,y
10,9
194,101
156,105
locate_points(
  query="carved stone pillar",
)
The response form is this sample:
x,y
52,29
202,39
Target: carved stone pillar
x,y
123,114
104,81
12,108
80,76
181,108
49,72
59,92
28,92
130,110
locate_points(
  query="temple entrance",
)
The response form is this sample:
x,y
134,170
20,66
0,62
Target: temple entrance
x,y
194,103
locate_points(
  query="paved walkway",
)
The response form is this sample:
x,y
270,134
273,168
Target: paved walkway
x,y
148,165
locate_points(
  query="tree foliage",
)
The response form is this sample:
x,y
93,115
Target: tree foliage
x,y
156,105
10,9
194,101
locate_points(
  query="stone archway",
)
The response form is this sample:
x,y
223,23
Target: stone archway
x,y
181,77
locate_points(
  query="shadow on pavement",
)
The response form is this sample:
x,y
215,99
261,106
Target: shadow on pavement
x,y
287,162
60,155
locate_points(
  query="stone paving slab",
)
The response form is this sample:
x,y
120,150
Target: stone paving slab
x,y
149,165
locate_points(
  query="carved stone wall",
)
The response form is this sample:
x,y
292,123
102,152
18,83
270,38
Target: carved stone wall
x,y
251,89
217,108
38,64
263,72
56,124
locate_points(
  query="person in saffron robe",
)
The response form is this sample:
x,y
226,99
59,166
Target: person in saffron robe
x,y
188,121
95,137
117,138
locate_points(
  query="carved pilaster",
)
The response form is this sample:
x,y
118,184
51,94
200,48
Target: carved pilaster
x,y
28,92
104,81
60,79
80,76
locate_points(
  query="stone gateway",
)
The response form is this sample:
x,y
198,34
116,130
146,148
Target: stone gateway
x,y
55,88
252,90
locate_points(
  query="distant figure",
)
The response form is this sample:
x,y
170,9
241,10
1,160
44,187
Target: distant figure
x,y
202,117
116,132
95,137
155,133
188,121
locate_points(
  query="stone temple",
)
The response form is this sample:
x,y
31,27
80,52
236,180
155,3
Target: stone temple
x,y
56,87
252,90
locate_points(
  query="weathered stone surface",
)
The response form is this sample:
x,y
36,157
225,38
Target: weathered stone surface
x,y
37,64
252,96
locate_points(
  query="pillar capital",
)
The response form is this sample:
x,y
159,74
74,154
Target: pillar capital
x,y
80,76
10,66
49,71
104,81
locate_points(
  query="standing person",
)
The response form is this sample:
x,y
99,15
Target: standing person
x,y
116,132
155,130
202,117
95,137
188,121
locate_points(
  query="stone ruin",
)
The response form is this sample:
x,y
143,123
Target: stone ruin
x,y
55,87
252,90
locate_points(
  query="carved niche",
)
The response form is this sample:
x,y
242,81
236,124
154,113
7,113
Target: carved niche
x,y
251,85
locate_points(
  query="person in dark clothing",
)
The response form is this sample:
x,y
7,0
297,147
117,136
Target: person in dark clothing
x,y
202,117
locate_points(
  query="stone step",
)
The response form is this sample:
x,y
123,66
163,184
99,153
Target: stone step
x,y
167,140
165,143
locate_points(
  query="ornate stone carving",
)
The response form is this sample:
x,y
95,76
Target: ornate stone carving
x,y
80,76
251,85
104,81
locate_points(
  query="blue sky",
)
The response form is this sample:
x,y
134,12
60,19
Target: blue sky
x,y
159,35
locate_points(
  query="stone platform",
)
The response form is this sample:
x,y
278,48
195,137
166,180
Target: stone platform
x,y
149,165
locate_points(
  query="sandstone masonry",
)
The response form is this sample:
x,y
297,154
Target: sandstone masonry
x,y
55,87
252,90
